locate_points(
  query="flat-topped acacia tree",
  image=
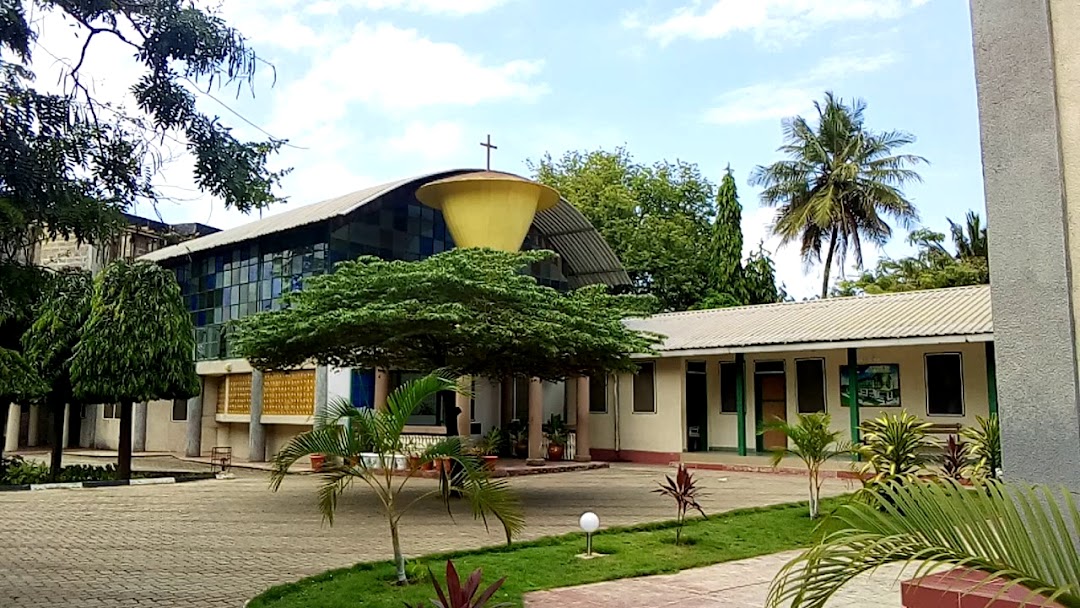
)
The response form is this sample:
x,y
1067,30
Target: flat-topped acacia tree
x,y
466,311
50,342
138,344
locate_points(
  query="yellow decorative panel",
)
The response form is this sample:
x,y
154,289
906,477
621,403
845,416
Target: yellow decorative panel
x,y
238,393
290,393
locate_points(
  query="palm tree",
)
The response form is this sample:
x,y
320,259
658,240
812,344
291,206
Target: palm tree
x,y
813,442
838,184
345,433
1027,536
970,237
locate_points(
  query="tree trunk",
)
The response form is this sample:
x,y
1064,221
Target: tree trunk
x,y
123,450
399,559
828,263
56,461
813,475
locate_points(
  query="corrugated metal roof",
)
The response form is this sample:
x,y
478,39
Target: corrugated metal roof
x,y
961,311
587,256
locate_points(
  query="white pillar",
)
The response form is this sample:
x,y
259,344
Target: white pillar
x,y
464,402
11,437
583,452
138,437
536,422
256,430
382,388
35,421
193,443
67,417
321,380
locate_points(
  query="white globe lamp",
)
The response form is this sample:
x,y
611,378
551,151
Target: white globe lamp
x,y
590,523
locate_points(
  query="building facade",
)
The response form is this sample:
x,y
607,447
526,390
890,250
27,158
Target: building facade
x,y
235,273
720,375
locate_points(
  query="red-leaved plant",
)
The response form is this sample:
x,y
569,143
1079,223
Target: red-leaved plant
x,y
463,595
685,492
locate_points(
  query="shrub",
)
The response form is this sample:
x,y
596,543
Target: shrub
x,y
685,492
814,442
895,448
985,448
955,459
463,594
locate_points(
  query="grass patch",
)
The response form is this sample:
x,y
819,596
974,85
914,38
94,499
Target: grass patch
x,y
550,562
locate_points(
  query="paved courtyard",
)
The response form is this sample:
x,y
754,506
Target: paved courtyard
x,y
217,543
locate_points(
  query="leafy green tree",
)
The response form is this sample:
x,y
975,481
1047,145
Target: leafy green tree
x,y
838,185
137,345
346,433
725,264
657,219
50,342
19,383
72,161
1025,535
759,279
933,266
470,311
814,442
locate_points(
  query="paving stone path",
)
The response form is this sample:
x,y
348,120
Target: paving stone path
x,y
218,543
739,584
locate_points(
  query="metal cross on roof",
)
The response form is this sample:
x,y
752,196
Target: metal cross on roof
x,y
490,146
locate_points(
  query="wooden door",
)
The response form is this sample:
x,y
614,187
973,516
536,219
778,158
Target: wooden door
x,y
773,399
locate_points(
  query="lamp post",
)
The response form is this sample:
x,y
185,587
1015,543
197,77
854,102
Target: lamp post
x,y
590,523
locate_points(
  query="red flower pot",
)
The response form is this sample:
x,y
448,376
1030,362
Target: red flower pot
x,y
317,462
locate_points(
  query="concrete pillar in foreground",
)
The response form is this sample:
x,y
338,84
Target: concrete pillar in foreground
x,y
193,443
583,450
382,387
536,422
321,380
138,441
464,404
11,435
33,437
1027,74
256,429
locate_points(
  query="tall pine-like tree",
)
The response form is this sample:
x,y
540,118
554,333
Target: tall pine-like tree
x,y
725,268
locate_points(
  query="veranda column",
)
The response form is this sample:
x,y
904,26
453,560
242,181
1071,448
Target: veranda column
x,y
506,401
11,435
382,388
463,401
67,420
193,444
35,420
256,430
740,401
853,393
583,452
322,377
536,422
138,441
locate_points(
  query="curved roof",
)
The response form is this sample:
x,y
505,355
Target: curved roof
x,y
588,258
956,314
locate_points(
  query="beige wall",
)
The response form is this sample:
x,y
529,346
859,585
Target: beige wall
x,y
665,431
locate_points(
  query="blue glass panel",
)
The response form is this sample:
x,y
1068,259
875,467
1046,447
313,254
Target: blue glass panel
x,y
362,388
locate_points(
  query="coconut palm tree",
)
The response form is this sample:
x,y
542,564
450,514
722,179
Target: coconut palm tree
x,y
1025,535
838,185
345,434
813,442
969,237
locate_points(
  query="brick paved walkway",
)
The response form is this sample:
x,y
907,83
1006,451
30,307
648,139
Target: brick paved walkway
x,y
739,584
217,543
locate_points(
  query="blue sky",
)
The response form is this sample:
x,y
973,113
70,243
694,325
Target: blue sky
x,y
373,90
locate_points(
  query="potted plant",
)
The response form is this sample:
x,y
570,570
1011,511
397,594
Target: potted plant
x,y
557,434
518,434
317,462
487,447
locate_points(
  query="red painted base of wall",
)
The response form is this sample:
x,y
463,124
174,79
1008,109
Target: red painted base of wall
x,y
964,588
635,456
751,468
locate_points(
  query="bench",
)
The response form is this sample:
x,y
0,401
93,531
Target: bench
x,y
945,429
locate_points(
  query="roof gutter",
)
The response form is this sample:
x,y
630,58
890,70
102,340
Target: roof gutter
x,y
832,345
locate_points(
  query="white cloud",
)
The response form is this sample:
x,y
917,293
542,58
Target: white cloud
x,y
771,22
440,141
454,8
397,71
784,98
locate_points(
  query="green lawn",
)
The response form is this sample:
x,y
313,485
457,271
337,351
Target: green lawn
x,y
550,562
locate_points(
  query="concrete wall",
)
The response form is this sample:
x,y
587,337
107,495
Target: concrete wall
x,y
1027,64
655,436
